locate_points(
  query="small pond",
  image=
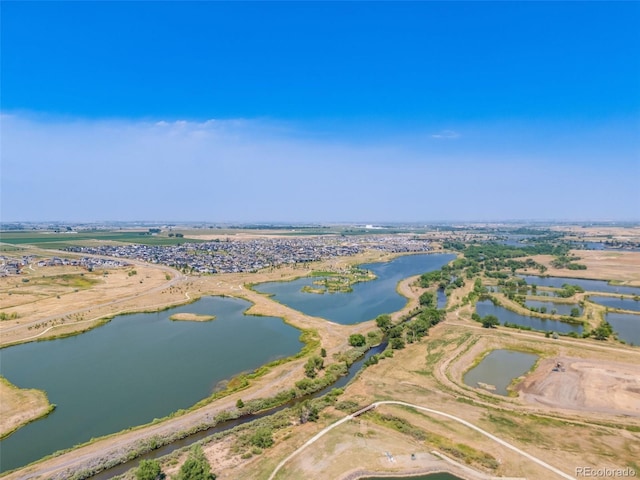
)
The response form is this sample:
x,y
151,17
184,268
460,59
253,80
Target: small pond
x,y
442,299
499,369
588,285
616,302
560,308
486,307
431,476
627,325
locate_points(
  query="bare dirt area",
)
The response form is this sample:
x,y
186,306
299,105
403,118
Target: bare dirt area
x,y
621,266
585,385
44,302
20,406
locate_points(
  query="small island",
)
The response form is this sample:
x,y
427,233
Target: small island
x,y
192,317
338,281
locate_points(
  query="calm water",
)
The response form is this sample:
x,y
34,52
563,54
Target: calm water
x,y
442,299
486,307
561,308
617,302
432,476
118,375
588,285
367,300
499,368
627,325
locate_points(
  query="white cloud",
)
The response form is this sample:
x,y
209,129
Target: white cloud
x,y
260,170
446,135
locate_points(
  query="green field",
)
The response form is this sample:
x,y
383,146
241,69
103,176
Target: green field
x,y
62,240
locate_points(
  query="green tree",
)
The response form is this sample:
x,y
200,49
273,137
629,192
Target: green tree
x,y
323,353
383,322
490,321
196,467
603,331
397,343
239,403
575,312
149,470
357,340
262,438
428,299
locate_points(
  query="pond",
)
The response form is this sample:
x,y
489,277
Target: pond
x,y
588,285
616,302
442,299
560,308
499,369
627,325
367,300
486,307
134,369
431,476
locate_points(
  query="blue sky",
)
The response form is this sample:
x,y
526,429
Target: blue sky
x,y
303,111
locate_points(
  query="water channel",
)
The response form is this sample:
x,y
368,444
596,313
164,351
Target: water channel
x,y
366,301
486,307
499,368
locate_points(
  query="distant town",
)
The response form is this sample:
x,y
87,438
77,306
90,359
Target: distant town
x,y
234,256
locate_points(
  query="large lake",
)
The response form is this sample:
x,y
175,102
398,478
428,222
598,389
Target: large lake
x,y
134,369
367,300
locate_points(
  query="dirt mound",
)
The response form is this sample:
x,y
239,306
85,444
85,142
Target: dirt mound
x,y
586,385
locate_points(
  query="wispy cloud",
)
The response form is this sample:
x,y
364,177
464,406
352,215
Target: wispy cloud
x,y
446,135
259,170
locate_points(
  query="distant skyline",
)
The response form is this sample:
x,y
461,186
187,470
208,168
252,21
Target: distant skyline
x,y
320,112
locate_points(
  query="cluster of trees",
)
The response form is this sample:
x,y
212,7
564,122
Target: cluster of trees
x,y
603,331
313,366
569,290
488,321
196,467
357,340
568,261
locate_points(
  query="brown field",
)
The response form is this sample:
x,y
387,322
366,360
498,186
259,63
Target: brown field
x,y
565,431
623,267
20,406
581,384
601,232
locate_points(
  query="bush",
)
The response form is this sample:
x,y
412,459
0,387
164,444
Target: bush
x,y
357,340
262,438
149,470
196,467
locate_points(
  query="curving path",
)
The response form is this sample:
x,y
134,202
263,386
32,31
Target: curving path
x,y
551,468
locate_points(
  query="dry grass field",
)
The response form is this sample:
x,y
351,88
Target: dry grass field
x,y
585,416
622,267
20,406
